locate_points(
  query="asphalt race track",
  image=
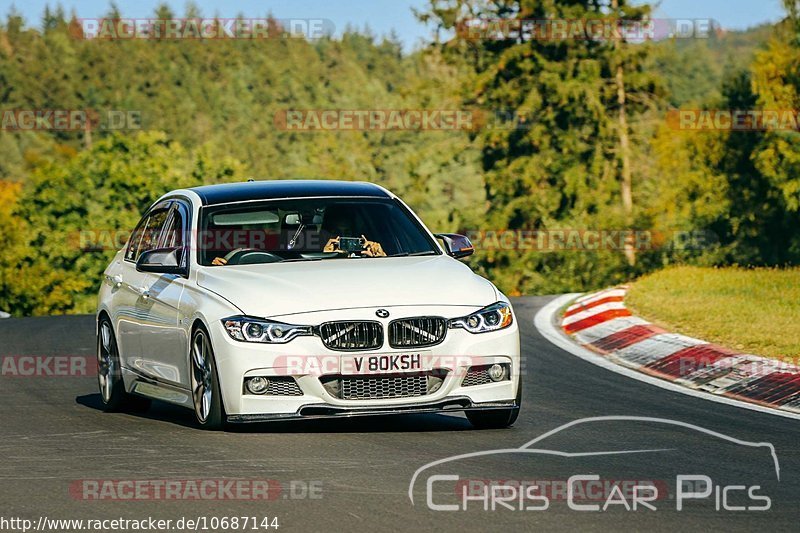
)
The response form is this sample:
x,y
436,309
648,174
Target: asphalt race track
x,y
354,474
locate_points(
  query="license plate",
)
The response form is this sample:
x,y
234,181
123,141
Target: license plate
x,y
396,363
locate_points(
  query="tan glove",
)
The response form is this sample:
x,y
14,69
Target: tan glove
x,y
372,248
332,246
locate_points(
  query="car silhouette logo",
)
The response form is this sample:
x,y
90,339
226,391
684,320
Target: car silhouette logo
x,y
382,313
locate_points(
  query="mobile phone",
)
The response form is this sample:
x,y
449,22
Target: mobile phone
x,y
351,244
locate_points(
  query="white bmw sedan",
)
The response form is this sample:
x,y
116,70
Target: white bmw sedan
x,y
279,300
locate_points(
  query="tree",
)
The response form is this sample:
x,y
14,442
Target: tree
x,y
576,107
776,84
734,185
76,215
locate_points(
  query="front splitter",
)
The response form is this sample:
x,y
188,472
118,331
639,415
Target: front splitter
x,y
460,403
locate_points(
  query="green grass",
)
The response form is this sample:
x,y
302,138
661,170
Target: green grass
x,y
750,310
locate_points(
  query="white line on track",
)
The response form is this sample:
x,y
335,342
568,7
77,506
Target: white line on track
x,y
544,321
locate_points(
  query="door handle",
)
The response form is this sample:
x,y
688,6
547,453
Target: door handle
x,y
144,292
116,281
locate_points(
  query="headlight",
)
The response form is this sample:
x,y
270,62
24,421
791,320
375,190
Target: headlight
x,y
246,329
492,318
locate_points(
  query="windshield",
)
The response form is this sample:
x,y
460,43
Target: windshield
x,y
309,229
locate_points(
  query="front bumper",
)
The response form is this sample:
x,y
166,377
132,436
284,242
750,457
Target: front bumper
x,y
452,404
237,361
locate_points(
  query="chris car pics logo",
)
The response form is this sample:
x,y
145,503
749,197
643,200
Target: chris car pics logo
x,y
449,490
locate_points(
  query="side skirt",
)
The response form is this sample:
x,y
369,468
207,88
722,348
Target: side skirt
x,y
136,383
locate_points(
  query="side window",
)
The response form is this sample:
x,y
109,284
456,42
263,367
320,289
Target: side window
x,y
173,236
146,235
136,238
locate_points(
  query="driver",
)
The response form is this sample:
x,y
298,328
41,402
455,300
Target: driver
x,y
221,261
249,238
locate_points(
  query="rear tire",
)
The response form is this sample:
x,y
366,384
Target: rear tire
x,y
496,418
109,374
206,395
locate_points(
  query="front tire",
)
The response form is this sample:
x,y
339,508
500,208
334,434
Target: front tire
x,y
496,418
109,374
206,394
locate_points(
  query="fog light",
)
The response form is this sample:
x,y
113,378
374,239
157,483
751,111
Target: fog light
x,y
257,385
497,372
435,382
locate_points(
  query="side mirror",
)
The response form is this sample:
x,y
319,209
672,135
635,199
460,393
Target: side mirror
x,y
456,245
162,261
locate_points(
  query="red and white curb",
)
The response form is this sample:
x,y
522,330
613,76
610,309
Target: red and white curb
x,y
599,328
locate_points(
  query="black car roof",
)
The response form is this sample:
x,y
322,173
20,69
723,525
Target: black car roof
x,y
268,190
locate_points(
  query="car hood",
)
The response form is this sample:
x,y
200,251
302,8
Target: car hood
x,y
275,289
